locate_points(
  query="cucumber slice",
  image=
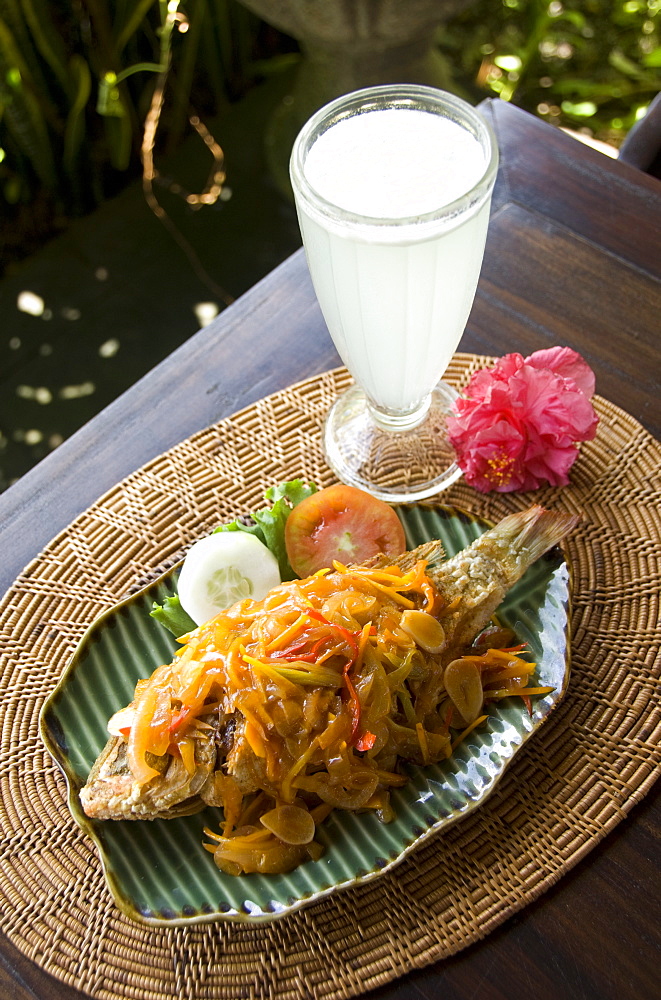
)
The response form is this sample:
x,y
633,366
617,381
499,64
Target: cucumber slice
x,y
222,569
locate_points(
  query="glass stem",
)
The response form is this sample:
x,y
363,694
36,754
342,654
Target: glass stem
x,y
399,420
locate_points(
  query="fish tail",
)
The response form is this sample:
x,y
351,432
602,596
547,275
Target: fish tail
x,y
534,531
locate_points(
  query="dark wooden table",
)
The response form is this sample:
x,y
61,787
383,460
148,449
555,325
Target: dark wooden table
x,y
573,257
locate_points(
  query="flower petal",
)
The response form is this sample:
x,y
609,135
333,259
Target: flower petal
x,y
566,363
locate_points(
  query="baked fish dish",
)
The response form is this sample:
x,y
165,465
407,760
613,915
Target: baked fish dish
x,y
280,710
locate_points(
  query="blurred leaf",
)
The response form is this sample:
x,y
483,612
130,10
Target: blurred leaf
x,y
47,40
132,24
598,91
653,59
119,139
218,79
23,120
22,113
79,73
12,190
574,17
144,67
625,65
223,33
109,100
12,15
10,53
584,109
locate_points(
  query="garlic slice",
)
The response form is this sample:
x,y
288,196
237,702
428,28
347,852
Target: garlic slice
x,y
428,633
289,823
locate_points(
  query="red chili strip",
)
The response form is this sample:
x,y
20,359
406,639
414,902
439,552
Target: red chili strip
x,y
291,651
365,742
348,636
178,718
317,615
317,646
354,700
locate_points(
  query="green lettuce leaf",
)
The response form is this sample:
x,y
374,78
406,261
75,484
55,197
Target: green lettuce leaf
x,y
172,616
268,525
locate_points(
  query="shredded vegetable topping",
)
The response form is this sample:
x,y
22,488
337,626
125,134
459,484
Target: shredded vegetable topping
x,y
314,695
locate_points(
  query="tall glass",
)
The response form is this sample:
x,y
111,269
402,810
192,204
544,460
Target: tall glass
x,y
393,190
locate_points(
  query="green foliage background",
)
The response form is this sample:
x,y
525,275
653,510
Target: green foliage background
x,y
592,65
76,81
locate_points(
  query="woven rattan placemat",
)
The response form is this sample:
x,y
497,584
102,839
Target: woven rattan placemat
x,y
597,756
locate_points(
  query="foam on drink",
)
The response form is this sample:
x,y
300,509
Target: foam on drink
x,y
394,163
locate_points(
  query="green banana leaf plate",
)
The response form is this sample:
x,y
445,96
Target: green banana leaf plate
x,y
159,872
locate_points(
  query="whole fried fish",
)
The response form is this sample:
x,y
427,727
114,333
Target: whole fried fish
x,y
471,586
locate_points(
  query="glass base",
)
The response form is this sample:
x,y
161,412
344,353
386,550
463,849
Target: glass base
x,y
398,460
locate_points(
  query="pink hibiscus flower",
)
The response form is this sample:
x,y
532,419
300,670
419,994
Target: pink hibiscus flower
x,y
519,423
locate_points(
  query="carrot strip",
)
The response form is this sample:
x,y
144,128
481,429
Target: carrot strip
x,y
422,740
466,731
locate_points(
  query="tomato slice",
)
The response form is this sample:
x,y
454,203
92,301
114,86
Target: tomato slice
x,y
341,523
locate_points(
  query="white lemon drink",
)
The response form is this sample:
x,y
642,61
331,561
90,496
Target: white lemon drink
x,y
395,297
393,190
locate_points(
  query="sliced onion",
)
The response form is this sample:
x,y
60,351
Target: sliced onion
x,y
350,608
338,796
120,723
